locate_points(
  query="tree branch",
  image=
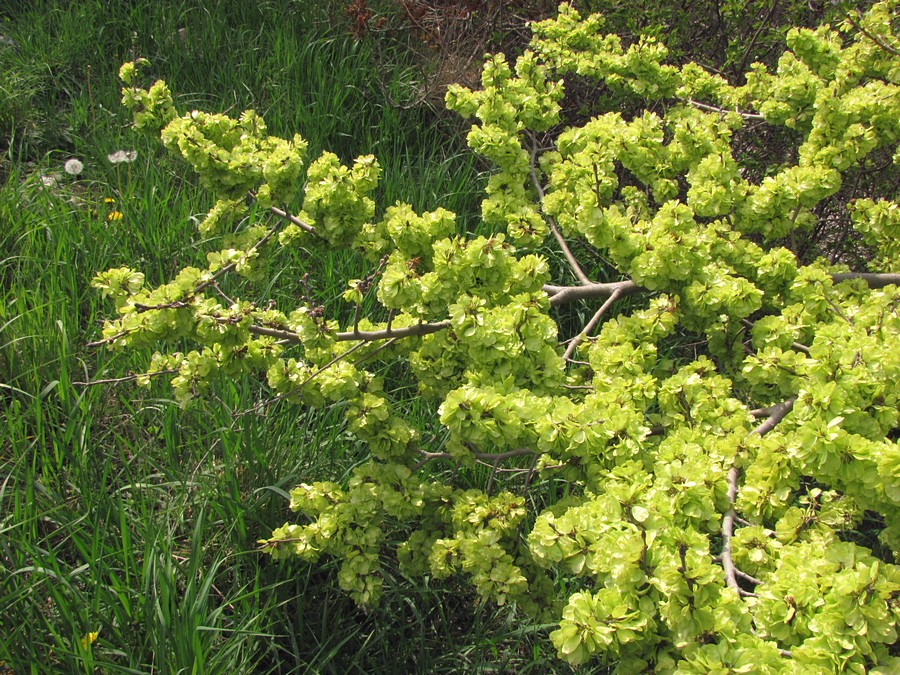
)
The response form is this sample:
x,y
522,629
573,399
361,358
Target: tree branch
x,y
711,108
294,220
363,335
728,531
127,378
743,575
874,280
797,346
484,456
575,341
560,295
874,38
776,414
567,252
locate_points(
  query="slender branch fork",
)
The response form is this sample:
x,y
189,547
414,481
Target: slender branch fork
x,y
575,341
363,335
775,414
877,39
724,111
127,378
567,252
494,458
561,295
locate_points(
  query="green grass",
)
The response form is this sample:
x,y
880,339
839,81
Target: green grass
x,y
120,513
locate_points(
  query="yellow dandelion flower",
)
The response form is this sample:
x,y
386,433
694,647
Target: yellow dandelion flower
x,y
114,215
89,639
109,200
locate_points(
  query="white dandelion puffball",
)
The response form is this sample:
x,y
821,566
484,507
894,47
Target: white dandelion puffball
x,y
122,156
73,167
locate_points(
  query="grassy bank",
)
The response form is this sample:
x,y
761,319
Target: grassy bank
x,y
127,525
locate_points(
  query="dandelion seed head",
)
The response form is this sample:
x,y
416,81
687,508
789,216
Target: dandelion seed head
x,y
73,167
122,156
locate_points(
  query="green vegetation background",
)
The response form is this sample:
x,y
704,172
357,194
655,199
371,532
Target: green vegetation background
x,y
128,526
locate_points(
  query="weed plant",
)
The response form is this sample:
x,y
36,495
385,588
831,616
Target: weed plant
x,y
128,525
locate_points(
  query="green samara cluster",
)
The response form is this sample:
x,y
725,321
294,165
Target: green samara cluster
x,y
711,498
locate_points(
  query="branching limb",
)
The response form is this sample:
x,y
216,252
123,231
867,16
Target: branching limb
x,y
491,457
561,295
796,346
575,341
874,38
873,279
728,531
281,213
127,378
361,335
762,412
776,414
743,575
723,111
567,252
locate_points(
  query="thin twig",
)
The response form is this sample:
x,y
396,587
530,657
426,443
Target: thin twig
x,y
778,413
560,295
300,386
723,111
363,335
379,348
796,346
126,378
219,273
321,370
743,575
573,344
874,38
281,213
567,252
485,456
490,483
743,65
